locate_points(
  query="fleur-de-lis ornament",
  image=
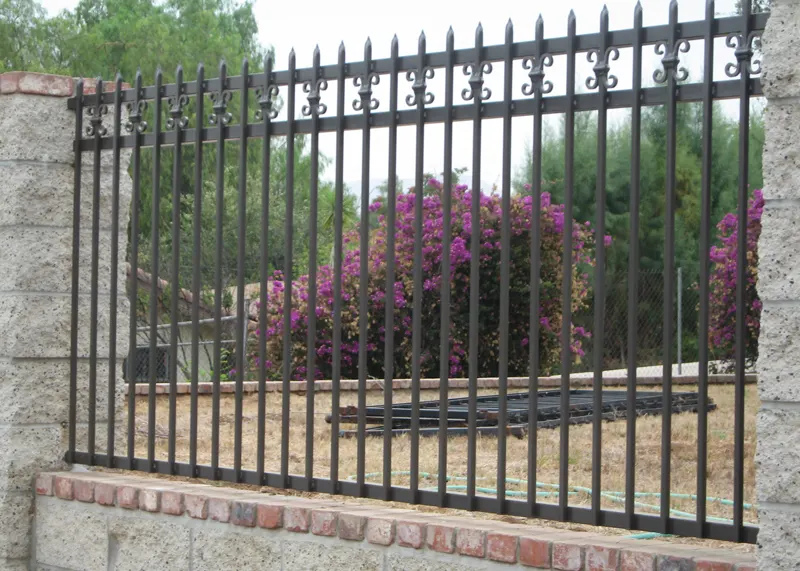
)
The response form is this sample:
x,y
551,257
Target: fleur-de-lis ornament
x,y
744,54
536,74
137,108
602,57
176,103
314,89
266,98
96,113
670,61
418,77
536,64
365,83
671,51
476,71
221,99
267,94
601,68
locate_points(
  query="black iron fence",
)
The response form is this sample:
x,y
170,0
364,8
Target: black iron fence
x,y
327,328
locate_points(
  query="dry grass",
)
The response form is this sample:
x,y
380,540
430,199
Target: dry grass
x,y
648,448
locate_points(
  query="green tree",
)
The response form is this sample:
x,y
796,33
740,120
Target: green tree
x,y
106,37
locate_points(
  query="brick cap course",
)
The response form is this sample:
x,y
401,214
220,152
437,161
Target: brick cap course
x,y
498,541
47,84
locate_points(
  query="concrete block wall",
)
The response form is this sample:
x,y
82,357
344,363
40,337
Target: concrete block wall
x,y
778,424
36,206
136,522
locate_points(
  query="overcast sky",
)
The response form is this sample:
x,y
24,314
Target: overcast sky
x,y
302,25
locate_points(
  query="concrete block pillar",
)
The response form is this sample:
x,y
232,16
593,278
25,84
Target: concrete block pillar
x,y
36,205
778,424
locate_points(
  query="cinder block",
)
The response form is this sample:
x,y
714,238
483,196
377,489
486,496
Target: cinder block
x,y
307,556
41,194
781,48
227,547
145,543
21,142
778,432
57,542
412,562
15,525
26,451
779,353
778,538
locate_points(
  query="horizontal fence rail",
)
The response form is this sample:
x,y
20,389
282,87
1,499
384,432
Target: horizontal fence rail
x,y
191,314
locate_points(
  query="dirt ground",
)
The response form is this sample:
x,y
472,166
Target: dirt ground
x,y
648,448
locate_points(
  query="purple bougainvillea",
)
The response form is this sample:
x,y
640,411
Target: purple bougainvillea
x,y
401,291
723,288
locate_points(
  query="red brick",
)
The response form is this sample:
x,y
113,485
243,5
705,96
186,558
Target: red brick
x,y
637,561
710,565
63,487
128,497
297,519
567,557
502,547
534,552
105,493
599,558
270,516
441,538
351,526
410,534
219,509
380,531
196,506
323,522
243,514
471,542
172,502
149,500
83,491
670,563
44,484
36,84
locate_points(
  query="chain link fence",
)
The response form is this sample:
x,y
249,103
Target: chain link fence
x,y
650,323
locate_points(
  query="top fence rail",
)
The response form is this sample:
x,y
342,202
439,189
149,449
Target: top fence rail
x,y
584,43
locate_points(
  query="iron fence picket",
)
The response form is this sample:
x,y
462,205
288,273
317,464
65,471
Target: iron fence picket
x,y
114,262
155,224
703,286
391,198
566,276
338,245
743,54
135,125
633,267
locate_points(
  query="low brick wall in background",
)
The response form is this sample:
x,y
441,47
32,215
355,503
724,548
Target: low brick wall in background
x,y
206,388
94,521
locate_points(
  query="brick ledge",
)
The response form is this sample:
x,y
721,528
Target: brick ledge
x,y
47,84
542,548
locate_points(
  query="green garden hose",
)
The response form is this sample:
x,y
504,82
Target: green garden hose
x,y
614,496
